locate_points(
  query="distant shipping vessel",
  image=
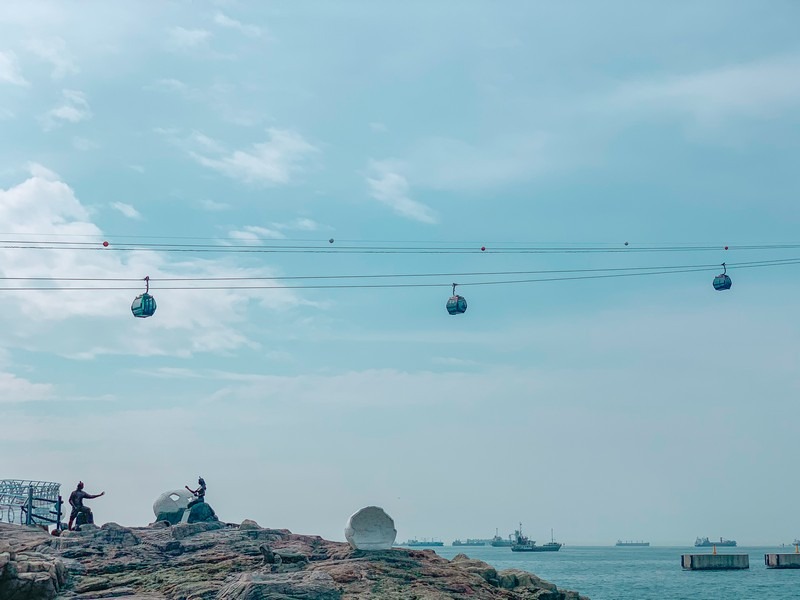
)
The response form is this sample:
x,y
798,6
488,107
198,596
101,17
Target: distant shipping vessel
x,y
417,543
523,544
642,544
705,543
469,542
499,542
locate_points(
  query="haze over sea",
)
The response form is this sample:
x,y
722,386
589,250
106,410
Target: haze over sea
x,y
654,573
304,180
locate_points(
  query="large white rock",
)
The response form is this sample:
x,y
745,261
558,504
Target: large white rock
x,y
170,502
370,529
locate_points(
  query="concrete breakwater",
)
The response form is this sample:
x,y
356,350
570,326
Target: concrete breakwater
x,y
715,562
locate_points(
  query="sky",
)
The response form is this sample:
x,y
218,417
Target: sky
x,y
649,407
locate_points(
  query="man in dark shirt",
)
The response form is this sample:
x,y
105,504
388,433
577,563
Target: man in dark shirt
x,y
199,493
76,499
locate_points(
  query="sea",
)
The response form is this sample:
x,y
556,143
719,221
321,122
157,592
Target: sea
x,y
612,573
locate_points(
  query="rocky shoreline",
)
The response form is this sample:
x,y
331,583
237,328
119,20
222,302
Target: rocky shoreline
x,y
219,561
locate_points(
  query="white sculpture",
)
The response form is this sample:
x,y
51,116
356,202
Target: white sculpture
x,y
172,502
370,529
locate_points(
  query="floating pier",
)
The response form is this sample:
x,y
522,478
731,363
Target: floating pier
x,y
715,562
782,561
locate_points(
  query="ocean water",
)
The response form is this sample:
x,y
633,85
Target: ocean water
x,y
611,573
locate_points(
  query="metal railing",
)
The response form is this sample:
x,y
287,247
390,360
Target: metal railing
x,y
30,502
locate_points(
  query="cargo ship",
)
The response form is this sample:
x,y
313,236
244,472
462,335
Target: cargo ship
x,y
415,543
469,542
639,544
705,543
523,544
499,542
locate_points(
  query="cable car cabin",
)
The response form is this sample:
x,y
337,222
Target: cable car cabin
x,y
722,282
144,305
457,305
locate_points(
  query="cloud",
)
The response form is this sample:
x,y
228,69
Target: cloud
x,y
74,109
83,144
753,89
6,114
378,127
169,84
273,162
127,210
181,39
298,224
452,164
225,21
53,320
9,69
212,206
13,389
392,189
55,52
252,233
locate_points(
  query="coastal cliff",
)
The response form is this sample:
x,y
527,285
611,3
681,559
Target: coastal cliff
x,y
218,561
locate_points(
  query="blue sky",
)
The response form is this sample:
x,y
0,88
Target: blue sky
x,y
642,407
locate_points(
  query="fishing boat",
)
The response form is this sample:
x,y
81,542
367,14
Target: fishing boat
x,y
705,543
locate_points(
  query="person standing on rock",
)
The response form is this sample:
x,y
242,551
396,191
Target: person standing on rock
x,y
199,493
76,499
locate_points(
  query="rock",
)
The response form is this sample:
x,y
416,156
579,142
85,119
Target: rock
x,y
209,561
478,567
27,575
116,535
247,524
370,529
282,586
184,530
202,513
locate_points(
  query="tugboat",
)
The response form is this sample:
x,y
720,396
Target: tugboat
x,y
704,543
523,544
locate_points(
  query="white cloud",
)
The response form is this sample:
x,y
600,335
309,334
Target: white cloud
x,y
273,162
252,233
55,52
84,144
9,69
127,210
169,84
378,127
6,114
14,389
452,164
180,38
137,168
754,89
55,319
225,21
212,206
387,186
298,224
74,109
